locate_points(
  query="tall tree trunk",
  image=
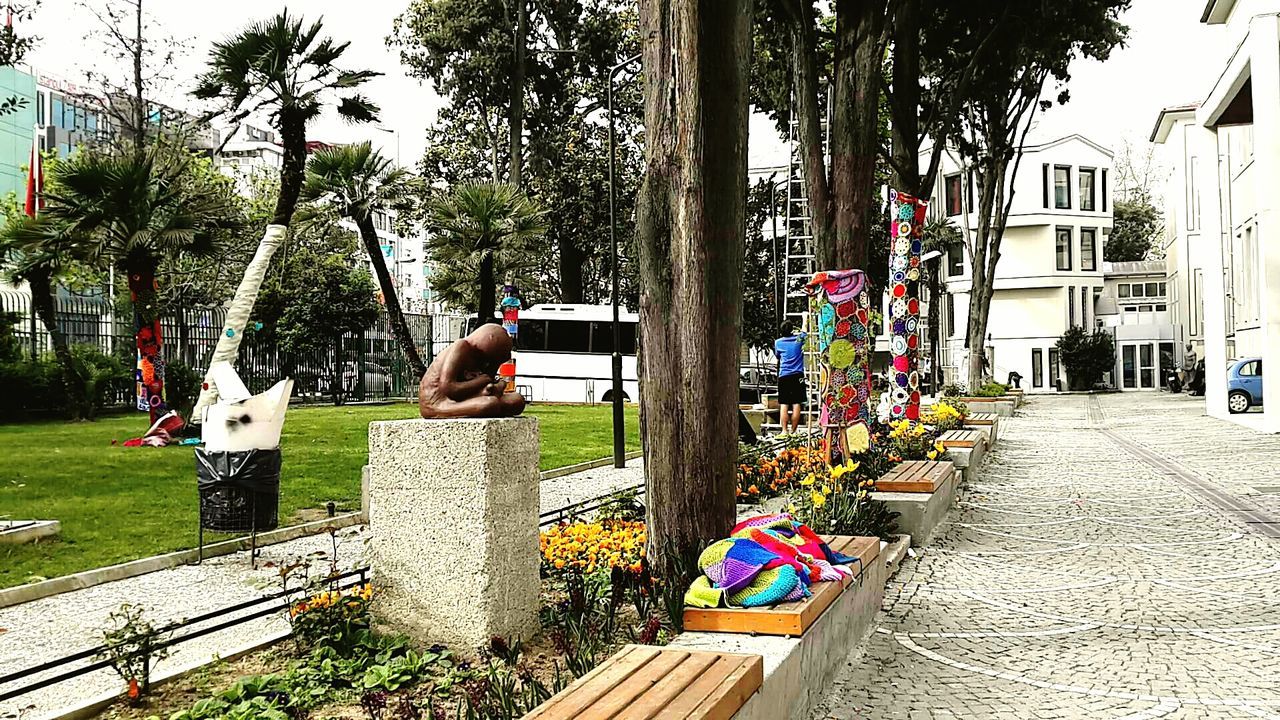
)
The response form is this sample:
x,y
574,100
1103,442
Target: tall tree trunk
x,y
487,301
985,254
904,100
399,328
148,339
809,113
293,167
691,218
139,99
855,141
517,93
42,303
571,263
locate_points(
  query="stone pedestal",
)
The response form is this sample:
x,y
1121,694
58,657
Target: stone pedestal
x,y
453,519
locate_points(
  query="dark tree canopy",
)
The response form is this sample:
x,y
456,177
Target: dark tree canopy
x,y
1136,229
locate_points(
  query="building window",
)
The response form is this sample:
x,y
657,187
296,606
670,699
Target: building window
x,y
955,260
1088,249
1064,248
1071,306
1062,187
952,191
1044,183
1104,189
1084,307
1152,289
40,111
1053,368
968,206
1086,189
949,304
1037,367
1122,290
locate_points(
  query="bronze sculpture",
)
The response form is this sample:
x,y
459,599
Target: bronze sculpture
x,y
463,382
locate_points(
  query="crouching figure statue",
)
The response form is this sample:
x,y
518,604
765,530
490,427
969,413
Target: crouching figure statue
x,y
463,382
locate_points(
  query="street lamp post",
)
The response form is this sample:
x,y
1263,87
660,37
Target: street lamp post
x,y
619,437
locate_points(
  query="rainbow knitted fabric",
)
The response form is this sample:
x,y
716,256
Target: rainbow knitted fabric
x,y
769,559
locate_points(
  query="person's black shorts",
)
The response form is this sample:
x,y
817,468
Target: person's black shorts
x,y
791,390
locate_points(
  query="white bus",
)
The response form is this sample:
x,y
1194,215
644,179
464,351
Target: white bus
x,y
564,353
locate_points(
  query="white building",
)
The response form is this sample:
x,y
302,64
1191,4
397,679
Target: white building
x,y
1050,270
1223,207
1134,308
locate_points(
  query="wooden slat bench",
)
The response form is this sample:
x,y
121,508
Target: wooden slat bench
x,y
916,476
961,439
982,418
643,683
790,618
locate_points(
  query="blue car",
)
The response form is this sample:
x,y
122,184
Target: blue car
x,y
1244,384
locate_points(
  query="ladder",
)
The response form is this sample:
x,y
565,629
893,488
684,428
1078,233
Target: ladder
x,y
800,262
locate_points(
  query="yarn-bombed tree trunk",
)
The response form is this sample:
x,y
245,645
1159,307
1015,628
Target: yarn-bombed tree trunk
x,y
691,218
148,339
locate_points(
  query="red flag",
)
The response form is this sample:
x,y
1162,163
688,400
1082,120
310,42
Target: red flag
x,y
35,180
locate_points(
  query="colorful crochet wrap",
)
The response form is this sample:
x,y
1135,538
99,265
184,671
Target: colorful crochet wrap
x,y
766,560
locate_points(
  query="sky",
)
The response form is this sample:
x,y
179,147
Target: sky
x,y
1169,59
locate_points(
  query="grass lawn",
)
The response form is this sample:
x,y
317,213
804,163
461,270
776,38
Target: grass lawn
x,y
118,504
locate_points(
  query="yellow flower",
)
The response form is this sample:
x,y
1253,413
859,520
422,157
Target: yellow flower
x,y
818,499
808,480
826,489
933,454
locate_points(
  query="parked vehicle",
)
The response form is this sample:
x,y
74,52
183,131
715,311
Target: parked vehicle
x,y
377,379
1244,384
753,382
1172,382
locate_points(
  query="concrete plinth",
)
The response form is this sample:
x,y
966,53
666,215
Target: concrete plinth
x,y
1002,406
919,514
453,518
990,432
968,459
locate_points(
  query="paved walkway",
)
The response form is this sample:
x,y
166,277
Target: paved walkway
x,y
57,626
1099,568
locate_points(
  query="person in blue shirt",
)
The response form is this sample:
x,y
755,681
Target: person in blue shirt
x,y
791,388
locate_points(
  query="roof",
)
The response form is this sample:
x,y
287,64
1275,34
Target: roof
x,y
1137,267
1164,121
926,149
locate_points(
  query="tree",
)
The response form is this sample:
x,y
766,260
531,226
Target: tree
x,y
485,227
554,139
690,223
1137,225
360,182
320,293
14,47
288,71
1036,43
123,93
1086,356
118,210
842,197
40,264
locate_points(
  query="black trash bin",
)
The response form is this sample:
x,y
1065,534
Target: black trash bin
x,y
239,490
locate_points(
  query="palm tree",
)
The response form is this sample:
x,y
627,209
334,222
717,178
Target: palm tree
x,y
286,70
130,212
279,67
358,181
483,225
38,264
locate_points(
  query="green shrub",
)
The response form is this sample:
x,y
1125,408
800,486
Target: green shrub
x,y
181,387
1086,356
992,389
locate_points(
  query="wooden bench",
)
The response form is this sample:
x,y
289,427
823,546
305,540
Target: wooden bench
x,y
790,618
982,418
916,476
961,439
642,682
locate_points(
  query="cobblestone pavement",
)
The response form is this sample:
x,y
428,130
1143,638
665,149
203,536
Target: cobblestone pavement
x,y
1083,577
57,626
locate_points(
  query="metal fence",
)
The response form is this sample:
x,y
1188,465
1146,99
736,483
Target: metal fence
x,y
367,365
